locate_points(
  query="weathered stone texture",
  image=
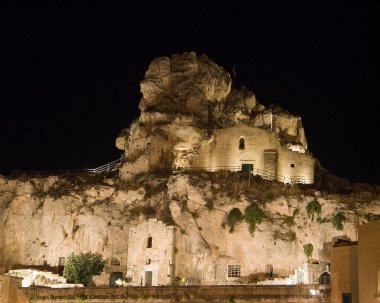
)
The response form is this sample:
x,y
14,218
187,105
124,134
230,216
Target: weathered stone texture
x,y
151,249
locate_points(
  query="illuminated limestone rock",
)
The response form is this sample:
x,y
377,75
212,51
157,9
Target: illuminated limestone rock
x,y
190,118
185,82
45,220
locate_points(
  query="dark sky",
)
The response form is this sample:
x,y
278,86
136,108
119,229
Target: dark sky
x,y
70,77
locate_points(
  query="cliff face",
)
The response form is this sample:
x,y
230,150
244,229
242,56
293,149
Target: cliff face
x,y
188,111
45,219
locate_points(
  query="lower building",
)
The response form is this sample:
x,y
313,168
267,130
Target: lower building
x,y
355,267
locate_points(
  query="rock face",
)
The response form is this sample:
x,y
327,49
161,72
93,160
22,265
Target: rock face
x,y
186,82
43,220
187,103
208,227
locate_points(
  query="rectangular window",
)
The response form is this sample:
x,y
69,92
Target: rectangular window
x,y
233,271
292,165
346,298
150,240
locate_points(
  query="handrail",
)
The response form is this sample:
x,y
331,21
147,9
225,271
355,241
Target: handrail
x,y
263,173
111,166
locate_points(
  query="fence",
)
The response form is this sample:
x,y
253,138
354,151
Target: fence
x,y
260,172
111,166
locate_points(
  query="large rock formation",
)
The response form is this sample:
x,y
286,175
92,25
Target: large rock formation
x,y
186,100
188,111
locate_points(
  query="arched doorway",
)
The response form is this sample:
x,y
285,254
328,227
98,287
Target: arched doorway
x,y
114,277
325,278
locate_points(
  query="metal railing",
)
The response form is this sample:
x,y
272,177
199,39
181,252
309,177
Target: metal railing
x,y
109,167
267,175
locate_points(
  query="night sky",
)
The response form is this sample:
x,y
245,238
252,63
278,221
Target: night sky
x,y
70,77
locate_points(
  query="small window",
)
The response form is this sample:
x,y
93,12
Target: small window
x,y
241,143
233,271
150,241
346,298
292,165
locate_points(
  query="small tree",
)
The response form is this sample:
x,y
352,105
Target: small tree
x,y
308,250
82,267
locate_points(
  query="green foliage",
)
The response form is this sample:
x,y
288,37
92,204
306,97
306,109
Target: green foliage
x,y
82,267
234,217
258,108
338,220
288,220
308,249
253,215
313,208
322,220
179,280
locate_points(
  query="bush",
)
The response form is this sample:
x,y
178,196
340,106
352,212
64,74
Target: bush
x,y
82,267
234,216
313,208
253,215
338,220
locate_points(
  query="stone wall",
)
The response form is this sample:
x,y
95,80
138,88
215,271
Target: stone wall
x,y
344,272
369,262
295,166
224,152
9,289
150,249
191,294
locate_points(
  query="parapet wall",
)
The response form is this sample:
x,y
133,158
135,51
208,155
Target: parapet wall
x,y
193,294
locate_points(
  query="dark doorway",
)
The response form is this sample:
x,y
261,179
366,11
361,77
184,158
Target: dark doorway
x,y
114,277
247,168
346,298
148,278
61,265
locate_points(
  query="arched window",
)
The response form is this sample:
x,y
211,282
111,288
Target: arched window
x,y
325,278
241,143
